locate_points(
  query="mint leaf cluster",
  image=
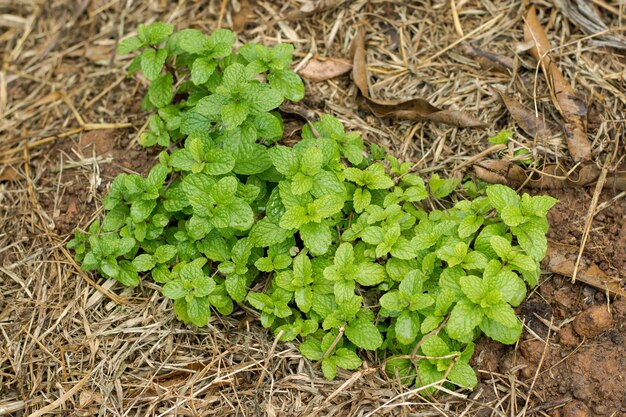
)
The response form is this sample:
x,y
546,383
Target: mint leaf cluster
x,y
332,243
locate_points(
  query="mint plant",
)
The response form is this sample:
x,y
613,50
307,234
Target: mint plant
x,y
330,243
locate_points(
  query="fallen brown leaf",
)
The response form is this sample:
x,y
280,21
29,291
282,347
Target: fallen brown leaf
x,y
487,60
8,173
325,69
527,120
572,108
552,176
560,259
416,108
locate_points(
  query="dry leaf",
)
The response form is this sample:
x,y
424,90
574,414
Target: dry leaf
x,y
571,107
561,259
527,120
487,60
325,69
583,14
240,19
552,176
416,108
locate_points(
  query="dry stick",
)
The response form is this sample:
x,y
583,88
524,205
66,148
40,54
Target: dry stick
x,y
590,216
455,17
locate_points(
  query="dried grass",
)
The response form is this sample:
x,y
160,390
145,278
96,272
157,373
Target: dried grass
x,y
74,344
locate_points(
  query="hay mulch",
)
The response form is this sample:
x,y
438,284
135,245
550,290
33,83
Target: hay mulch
x,y
74,344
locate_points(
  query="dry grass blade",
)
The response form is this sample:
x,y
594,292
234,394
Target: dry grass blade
x,y
414,109
325,69
571,107
582,13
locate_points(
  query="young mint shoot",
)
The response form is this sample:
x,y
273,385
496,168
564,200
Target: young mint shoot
x,y
332,242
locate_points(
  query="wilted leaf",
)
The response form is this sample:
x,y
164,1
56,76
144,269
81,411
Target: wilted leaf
x,y
551,176
416,108
571,107
325,69
487,60
527,120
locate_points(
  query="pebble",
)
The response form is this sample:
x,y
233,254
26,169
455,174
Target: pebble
x,y
593,321
575,409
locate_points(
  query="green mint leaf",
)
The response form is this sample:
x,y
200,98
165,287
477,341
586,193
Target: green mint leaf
x,y
392,301
317,237
370,274
161,91
144,262
285,160
512,216
364,334
311,349
501,138
191,41
465,316
532,240
347,359
152,62
463,375
473,287
503,314
262,99
265,233
236,287
175,290
361,199
434,346
234,114
288,83
201,70
199,311
470,225
154,33
129,45
407,327
501,246
329,368
537,206
442,187
499,332
127,274
501,196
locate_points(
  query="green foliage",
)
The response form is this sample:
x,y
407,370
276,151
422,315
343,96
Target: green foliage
x,y
337,241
